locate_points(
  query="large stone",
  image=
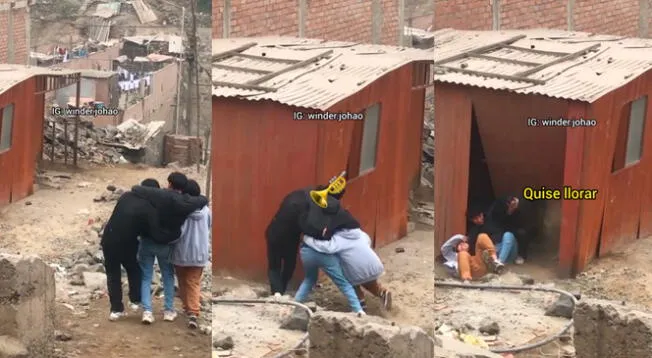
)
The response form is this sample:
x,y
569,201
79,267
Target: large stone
x,y
95,280
563,307
27,307
297,321
343,335
605,329
12,348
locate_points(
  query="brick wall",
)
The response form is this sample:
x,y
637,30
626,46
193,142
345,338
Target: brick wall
x,y
19,33
184,150
418,13
618,17
346,20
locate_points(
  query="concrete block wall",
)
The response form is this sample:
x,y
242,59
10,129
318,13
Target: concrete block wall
x,y
14,32
370,21
606,329
618,17
27,306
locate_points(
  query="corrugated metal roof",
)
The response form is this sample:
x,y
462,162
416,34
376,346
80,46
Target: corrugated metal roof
x,y
142,39
11,75
107,10
614,62
97,73
319,85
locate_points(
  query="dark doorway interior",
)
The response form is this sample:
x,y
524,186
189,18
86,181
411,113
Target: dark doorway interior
x,y
480,193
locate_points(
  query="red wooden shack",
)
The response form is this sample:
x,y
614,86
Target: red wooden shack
x,y
264,144
22,108
493,91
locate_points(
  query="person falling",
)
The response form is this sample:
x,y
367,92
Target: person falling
x,y
471,267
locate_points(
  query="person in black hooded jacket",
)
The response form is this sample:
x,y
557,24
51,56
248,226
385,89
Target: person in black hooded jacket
x,y
283,236
119,242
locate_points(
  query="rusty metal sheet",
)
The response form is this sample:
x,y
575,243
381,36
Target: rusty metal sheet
x,y
502,122
615,216
452,138
259,155
264,155
19,162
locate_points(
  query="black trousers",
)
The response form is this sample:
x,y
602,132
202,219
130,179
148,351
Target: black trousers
x,y
523,238
116,257
282,261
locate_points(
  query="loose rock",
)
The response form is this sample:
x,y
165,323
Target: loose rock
x,y
297,321
489,327
563,307
224,343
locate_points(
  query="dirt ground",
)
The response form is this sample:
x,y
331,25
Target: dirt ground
x,y
57,223
92,335
620,276
255,328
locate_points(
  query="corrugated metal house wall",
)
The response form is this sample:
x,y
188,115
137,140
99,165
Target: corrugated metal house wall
x,y
17,164
623,209
260,154
517,156
581,157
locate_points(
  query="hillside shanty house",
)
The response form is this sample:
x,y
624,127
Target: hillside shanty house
x,y
493,92
141,46
264,144
22,105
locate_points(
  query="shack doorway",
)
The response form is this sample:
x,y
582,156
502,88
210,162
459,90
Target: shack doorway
x,y
502,153
480,190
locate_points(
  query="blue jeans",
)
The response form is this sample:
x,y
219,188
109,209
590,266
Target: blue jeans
x,y
148,251
508,248
313,261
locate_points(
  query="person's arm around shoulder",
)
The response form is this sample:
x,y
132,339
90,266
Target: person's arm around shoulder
x,y
185,204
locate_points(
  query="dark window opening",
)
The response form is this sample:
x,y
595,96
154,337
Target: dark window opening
x,y
420,74
364,145
6,127
629,139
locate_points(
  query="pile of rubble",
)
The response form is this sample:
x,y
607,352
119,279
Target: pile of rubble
x,y
103,146
428,140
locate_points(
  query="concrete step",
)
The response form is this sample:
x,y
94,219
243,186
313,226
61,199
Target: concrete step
x,y
11,347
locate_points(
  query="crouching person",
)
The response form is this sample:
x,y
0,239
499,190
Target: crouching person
x,y
469,267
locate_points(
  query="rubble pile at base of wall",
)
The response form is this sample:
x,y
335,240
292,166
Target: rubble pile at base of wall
x,y
27,307
428,138
343,335
96,145
605,329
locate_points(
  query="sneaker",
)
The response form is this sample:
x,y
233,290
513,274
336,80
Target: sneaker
x,y
192,322
134,306
114,316
361,313
519,261
494,265
386,296
169,316
499,267
148,317
363,303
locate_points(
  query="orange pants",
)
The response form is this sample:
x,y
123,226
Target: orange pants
x,y
189,278
374,287
474,267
